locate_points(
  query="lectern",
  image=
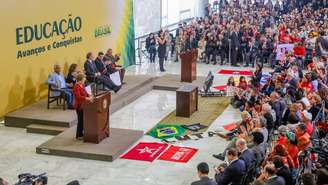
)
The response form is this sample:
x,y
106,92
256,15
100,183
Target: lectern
x,y
186,101
188,65
96,118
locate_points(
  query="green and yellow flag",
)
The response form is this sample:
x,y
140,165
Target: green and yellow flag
x,y
164,131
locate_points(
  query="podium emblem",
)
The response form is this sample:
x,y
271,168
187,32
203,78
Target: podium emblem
x,y
105,103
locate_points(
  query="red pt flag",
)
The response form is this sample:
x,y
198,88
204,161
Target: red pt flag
x,y
145,151
178,154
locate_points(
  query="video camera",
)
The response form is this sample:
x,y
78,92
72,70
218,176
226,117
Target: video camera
x,y
29,179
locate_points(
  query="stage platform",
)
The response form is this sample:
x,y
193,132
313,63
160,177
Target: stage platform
x,y
109,149
36,118
55,121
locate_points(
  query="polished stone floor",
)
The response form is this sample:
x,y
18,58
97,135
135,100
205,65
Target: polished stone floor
x,y
17,148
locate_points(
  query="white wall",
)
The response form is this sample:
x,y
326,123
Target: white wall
x,y
151,15
147,16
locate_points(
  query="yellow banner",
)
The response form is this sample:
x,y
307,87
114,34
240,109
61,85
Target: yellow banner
x,y
36,34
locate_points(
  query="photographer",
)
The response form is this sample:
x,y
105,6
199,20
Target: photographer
x,y
151,47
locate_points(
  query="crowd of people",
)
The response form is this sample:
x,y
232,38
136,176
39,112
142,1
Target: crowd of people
x,y
282,136
98,71
246,33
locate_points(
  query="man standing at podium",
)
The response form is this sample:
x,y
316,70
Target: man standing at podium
x,y
80,96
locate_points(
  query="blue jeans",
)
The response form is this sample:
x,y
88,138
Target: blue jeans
x,y
152,53
69,97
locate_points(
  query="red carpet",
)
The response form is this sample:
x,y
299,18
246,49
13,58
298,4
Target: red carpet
x,y
178,154
235,72
145,151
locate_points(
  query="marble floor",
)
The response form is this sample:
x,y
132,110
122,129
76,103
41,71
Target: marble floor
x,y
17,148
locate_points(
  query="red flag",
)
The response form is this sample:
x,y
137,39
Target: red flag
x,y
178,154
220,87
145,151
235,72
230,126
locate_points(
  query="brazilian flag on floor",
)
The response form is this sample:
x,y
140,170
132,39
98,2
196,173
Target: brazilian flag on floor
x,y
164,131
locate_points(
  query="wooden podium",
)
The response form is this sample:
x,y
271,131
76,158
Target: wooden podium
x,y
186,101
188,65
96,118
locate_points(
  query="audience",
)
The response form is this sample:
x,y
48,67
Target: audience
x,y
203,171
234,172
270,177
282,170
282,114
246,154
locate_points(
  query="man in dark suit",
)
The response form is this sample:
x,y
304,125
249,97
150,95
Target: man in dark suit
x,y
94,75
203,171
251,53
234,46
270,176
234,172
282,170
247,155
101,67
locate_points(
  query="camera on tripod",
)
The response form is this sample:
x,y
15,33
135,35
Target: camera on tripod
x,y
29,179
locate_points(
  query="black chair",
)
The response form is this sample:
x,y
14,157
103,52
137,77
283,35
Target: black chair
x,y
60,100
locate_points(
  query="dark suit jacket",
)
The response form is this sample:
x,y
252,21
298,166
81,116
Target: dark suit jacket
x,y
90,68
204,181
285,173
234,41
248,157
100,65
232,174
276,181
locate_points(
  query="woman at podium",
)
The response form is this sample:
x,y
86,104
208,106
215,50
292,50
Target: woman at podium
x,y
80,96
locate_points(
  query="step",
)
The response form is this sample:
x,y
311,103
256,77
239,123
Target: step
x,y
23,122
45,129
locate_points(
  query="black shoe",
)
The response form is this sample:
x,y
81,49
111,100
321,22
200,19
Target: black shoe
x,y
163,70
246,65
79,138
116,89
219,156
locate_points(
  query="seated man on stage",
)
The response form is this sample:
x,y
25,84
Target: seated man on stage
x,y
105,67
109,56
94,75
100,64
57,82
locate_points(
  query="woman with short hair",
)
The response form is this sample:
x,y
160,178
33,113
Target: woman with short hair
x,y
80,96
